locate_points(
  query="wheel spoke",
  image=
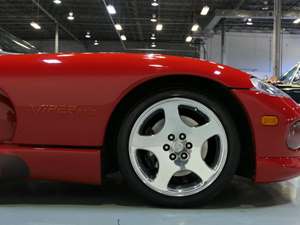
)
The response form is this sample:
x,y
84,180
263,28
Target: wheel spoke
x,y
172,117
165,172
151,143
202,133
197,165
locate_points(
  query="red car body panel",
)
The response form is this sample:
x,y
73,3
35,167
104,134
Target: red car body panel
x,y
274,160
68,99
50,101
57,164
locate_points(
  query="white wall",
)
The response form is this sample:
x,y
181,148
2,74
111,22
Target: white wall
x,y
252,52
291,51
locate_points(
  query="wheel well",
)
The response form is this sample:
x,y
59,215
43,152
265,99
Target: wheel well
x,y
247,158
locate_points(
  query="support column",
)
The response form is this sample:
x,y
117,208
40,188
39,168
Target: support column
x,y
223,43
276,58
56,47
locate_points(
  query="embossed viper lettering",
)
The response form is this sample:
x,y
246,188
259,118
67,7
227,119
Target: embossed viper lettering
x,y
64,109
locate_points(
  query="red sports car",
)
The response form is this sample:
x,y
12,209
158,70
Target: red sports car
x,y
177,128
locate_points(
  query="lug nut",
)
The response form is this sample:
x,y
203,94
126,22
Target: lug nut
x,y
172,156
182,136
189,145
166,147
184,156
171,137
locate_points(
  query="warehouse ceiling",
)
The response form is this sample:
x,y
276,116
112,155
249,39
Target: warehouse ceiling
x,y
177,17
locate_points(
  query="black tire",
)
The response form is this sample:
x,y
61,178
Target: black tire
x,y
211,191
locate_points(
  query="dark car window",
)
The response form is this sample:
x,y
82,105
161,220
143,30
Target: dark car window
x,y
11,44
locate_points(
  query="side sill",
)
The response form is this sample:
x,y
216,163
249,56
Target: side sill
x,y
77,165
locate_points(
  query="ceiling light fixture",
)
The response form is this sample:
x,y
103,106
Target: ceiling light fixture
x,y
195,27
188,39
96,42
153,45
71,16
159,27
154,3
118,27
296,21
111,9
153,19
265,7
88,34
123,37
249,22
153,37
57,2
35,25
205,10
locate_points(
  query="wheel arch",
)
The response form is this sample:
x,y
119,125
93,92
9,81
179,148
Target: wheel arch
x,y
247,158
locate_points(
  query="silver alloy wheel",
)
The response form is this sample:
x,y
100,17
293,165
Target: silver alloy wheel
x,y
179,147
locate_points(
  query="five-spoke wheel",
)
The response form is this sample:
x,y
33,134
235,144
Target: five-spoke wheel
x,y
178,147
178,143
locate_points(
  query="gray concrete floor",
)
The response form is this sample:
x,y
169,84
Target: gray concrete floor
x,y
46,203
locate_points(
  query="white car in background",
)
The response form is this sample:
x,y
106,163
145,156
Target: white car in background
x,y
289,82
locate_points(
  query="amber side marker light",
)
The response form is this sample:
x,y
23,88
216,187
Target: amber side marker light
x,y
269,120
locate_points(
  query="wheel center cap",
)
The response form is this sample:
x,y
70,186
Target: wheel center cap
x,y
178,147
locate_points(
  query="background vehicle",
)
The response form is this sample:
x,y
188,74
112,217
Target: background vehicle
x,y
290,82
